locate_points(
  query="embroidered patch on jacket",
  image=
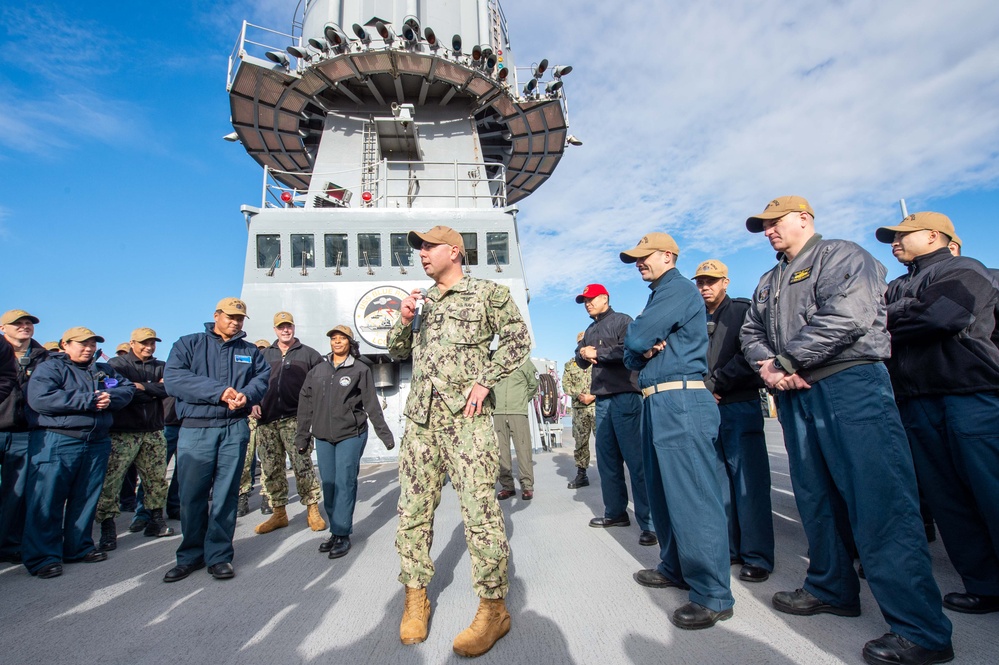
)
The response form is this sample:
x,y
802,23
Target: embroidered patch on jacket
x,y
764,294
243,359
344,381
801,275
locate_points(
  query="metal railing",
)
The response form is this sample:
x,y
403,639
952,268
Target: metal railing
x,y
251,43
397,185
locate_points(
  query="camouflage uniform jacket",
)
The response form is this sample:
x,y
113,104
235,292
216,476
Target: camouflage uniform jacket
x,y
451,351
576,382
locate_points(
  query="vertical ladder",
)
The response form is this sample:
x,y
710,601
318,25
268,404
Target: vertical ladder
x,y
369,163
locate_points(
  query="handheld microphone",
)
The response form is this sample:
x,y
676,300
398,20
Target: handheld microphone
x,y
418,317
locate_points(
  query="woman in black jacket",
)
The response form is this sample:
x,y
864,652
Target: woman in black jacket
x,y
336,401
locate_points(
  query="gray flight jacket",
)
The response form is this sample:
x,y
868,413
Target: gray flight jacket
x,y
822,312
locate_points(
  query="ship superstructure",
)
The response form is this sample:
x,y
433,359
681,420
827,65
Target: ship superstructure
x,y
372,118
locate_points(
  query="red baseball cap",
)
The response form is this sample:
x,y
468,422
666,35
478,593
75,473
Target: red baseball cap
x,y
592,291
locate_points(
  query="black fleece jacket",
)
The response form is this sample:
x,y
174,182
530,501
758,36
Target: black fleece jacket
x,y
336,403
941,316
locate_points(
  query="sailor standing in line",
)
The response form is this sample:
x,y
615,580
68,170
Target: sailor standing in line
x,y
945,371
216,377
576,384
668,344
823,349
618,414
277,425
71,399
741,442
25,354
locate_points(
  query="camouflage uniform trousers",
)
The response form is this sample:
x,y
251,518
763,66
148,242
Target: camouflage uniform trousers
x,y
148,451
275,441
246,481
582,425
467,451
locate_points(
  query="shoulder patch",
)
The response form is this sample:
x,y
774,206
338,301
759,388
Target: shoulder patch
x,y
499,295
763,294
801,275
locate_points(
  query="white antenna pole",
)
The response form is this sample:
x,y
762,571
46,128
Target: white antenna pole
x,y
905,213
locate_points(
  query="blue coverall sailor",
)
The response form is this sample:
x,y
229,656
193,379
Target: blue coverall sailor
x,y
683,470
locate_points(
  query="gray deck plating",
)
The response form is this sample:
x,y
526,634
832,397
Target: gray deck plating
x,y
572,596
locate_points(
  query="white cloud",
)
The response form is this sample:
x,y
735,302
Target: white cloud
x,y
695,114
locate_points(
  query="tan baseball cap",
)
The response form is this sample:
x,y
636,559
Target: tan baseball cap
x,y
51,346
579,337
262,344
343,330
650,244
439,235
80,334
283,317
776,209
15,314
711,268
919,221
144,335
122,348
232,307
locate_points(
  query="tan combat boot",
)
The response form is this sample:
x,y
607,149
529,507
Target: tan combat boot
x,y
275,521
491,622
415,616
316,522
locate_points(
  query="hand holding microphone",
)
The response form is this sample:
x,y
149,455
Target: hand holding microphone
x,y
418,315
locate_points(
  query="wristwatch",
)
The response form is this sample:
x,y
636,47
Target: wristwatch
x,y
779,365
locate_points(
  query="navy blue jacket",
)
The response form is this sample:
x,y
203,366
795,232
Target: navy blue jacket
x,y
675,313
606,334
62,396
201,366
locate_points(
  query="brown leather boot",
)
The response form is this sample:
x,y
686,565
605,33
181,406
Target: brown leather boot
x,y
491,622
316,522
276,521
415,616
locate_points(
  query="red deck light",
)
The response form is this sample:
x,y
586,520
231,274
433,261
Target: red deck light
x,y
286,197
366,196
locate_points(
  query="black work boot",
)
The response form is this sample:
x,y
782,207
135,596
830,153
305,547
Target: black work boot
x,y
109,536
265,506
243,507
580,480
157,527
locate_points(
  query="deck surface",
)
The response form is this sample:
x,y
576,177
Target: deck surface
x,y
572,597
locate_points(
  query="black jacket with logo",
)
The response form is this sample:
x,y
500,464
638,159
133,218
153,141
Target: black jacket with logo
x,y
729,373
145,412
336,403
288,374
941,316
13,417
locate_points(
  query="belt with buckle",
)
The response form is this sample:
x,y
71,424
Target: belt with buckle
x,y
671,385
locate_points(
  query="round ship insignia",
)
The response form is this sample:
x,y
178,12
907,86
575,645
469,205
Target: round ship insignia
x,y
376,313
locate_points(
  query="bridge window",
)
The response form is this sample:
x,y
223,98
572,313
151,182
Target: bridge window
x,y
471,241
497,249
402,253
369,250
268,251
336,250
303,250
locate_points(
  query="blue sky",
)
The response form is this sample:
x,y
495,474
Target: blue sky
x,y
119,200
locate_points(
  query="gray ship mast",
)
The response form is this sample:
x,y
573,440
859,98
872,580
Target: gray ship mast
x,y
371,118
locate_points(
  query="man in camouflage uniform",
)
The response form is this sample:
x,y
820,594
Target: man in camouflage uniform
x,y
576,384
450,431
137,436
246,480
290,362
